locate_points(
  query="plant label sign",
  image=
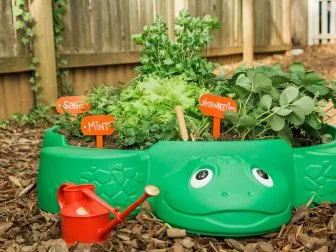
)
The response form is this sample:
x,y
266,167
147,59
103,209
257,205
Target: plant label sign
x,y
99,126
72,104
215,106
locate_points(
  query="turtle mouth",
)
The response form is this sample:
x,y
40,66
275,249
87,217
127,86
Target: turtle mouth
x,y
236,220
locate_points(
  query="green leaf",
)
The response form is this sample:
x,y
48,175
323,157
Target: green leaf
x,y
261,82
313,122
247,121
306,104
317,89
25,40
17,11
275,94
312,78
29,32
168,62
27,17
288,95
278,68
296,67
281,111
20,2
296,77
231,116
129,140
297,117
19,25
276,122
279,79
266,102
244,82
287,135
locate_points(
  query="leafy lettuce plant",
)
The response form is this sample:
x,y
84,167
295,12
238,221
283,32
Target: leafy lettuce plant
x,y
164,57
274,103
145,111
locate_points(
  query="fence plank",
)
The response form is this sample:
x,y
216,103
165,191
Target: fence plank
x,y
25,93
11,93
77,36
15,64
3,106
135,21
286,24
100,24
6,29
44,49
248,31
333,20
324,21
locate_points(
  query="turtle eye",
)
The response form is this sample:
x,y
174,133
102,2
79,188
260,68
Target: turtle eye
x,y
262,177
201,178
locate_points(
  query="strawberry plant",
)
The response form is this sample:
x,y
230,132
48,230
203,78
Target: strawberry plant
x,y
274,103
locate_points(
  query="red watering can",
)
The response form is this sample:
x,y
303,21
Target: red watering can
x,y
86,218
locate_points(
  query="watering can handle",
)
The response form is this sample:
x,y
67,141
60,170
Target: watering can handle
x,y
60,193
101,202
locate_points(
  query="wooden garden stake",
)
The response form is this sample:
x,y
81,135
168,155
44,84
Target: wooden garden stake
x,y
99,126
215,106
181,123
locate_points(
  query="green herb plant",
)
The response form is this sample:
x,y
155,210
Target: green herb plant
x,y
163,57
274,103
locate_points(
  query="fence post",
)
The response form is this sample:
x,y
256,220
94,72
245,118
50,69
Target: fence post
x,y
286,25
180,5
44,49
248,36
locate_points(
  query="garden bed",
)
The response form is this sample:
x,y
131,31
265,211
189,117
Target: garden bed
x,y
23,227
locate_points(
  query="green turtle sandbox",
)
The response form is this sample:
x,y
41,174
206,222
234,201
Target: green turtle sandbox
x,y
235,188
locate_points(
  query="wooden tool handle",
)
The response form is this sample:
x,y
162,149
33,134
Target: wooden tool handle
x,y
181,123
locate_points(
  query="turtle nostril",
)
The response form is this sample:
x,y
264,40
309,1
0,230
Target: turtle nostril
x,y
224,194
251,194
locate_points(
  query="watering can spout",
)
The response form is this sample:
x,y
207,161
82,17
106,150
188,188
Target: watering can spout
x,y
149,191
85,217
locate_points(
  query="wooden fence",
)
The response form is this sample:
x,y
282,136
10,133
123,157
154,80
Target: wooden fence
x,y
322,21
98,47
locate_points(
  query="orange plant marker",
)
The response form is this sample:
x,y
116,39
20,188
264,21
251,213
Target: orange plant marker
x,y
99,126
72,105
215,106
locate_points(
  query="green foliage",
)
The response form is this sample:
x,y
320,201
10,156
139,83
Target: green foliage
x,y
36,116
23,22
274,103
145,111
64,84
163,57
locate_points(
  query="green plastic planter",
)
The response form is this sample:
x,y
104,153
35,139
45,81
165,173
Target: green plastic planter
x,y
234,188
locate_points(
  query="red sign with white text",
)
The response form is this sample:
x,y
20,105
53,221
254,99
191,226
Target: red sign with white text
x,y
72,105
97,125
215,106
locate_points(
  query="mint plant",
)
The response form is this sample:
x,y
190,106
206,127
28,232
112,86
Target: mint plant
x,y
163,57
274,103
